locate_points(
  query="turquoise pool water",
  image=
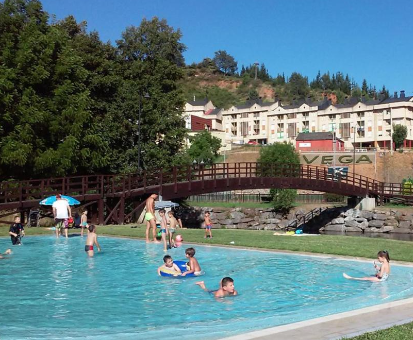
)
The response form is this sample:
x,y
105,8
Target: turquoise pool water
x,y
50,290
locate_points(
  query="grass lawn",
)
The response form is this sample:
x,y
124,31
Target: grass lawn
x,y
323,244
402,332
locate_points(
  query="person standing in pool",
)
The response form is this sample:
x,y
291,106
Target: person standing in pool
x,y
226,288
16,231
193,264
382,271
92,239
150,217
173,225
61,213
164,229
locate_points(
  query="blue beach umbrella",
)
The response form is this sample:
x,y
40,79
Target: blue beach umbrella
x,y
51,199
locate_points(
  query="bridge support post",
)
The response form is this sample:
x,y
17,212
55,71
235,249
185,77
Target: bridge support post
x,y
101,219
122,211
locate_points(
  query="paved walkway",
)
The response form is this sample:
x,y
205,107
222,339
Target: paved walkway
x,y
338,326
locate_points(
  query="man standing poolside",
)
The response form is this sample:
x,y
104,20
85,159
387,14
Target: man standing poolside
x,y
150,217
61,213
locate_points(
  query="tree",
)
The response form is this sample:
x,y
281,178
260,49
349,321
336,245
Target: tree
x,y
279,154
204,147
151,56
364,88
225,62
399,134
298,85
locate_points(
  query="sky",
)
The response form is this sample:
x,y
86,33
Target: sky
x,y
367,39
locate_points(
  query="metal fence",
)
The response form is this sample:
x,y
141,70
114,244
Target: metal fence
x,y
230,196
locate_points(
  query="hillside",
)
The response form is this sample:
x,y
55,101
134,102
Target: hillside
x,y
225,91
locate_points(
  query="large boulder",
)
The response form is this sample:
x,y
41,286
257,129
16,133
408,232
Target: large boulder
x,y
221,216
247,220
405,224
273,221
242,226
380,217
392,222
387,228
237,215
227,221
366,214
352,224
353,230
230,226
401,231
338,220
363,225
376,224
405,218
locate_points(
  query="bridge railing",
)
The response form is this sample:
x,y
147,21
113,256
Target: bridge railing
x,y
19,191
37,189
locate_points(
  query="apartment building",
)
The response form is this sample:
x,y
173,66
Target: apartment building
x,y
359,122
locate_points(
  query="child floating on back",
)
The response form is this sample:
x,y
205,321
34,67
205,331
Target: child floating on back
x,y
226,288
382,271
193,264
169,266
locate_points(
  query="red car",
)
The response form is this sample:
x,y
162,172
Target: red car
x,y
253,142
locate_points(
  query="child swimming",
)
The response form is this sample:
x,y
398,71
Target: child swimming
x,y
382,272
226,288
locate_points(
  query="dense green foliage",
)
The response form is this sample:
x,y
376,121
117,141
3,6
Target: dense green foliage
x,y
70,103
399,134
285,155
204,147
225,62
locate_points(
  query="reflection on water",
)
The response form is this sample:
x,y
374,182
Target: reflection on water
x,y
392,236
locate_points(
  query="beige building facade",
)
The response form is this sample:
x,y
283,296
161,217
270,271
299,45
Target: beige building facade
x,y
365,124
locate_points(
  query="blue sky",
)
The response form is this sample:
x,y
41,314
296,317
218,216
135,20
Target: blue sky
x,y
365,38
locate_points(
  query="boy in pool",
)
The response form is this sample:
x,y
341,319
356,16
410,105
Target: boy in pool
x,y
164,229
382,272
169,265
173,224
7,252
92,239
193,264
16,231
208,224
226,288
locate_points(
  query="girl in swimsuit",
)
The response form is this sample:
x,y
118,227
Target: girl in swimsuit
x,y
382,271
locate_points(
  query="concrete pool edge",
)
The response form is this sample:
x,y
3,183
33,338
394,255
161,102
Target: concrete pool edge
x,y
337,326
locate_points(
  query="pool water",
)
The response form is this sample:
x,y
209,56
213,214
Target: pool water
x,y
50,290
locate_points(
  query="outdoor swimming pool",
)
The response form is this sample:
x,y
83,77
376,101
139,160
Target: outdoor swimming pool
x,y
51,290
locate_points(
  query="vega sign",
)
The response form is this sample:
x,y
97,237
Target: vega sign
x,y
327,158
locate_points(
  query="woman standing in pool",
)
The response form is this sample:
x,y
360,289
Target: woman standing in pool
x,y
382,272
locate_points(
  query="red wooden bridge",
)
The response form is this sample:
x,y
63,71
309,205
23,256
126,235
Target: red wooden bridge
x,y
116,198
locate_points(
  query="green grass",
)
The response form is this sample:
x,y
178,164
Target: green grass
x,y
322,244
402,332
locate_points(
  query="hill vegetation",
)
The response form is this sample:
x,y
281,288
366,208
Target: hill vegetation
x,y
207,80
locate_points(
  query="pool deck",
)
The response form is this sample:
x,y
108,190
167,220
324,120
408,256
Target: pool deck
x,y
338,326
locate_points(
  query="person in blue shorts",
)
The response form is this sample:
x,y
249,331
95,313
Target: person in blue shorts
x,y
208,224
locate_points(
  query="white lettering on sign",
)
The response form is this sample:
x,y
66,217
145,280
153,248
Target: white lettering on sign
x,y
304,145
